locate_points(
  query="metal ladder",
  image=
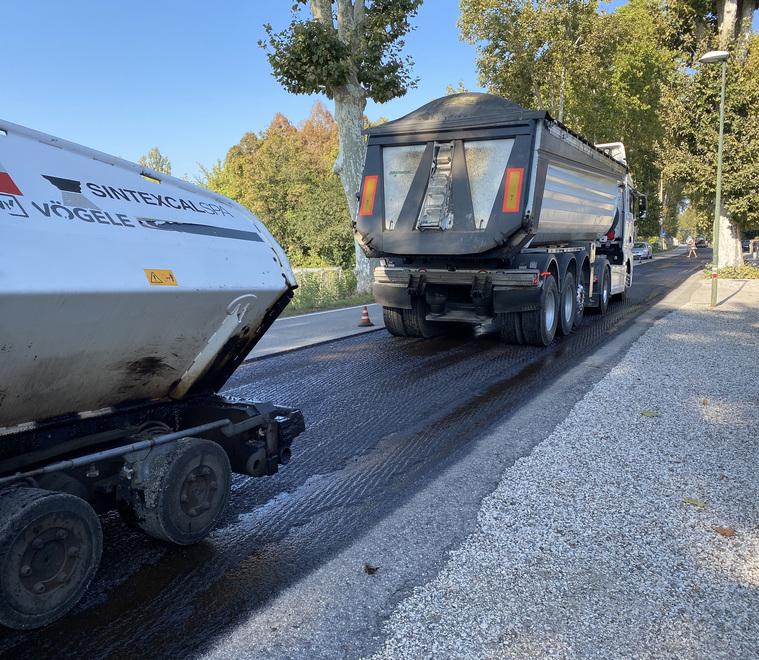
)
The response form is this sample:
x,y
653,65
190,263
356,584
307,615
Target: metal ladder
x,y
435,213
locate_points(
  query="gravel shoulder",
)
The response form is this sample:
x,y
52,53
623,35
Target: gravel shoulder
x,y
633,529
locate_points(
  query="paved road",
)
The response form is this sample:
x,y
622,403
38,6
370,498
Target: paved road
x,y
398,454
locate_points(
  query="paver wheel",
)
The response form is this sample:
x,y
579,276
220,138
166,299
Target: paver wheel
x,y
539,326
567,305
393,317
185,490
50,548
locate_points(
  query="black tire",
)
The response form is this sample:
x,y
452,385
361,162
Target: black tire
x,y
567,305
580,305
185,491
509,326
50,549
604,292
393,317
415,322
539,326
622,296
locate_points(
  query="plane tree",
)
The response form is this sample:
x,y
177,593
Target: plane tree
x,y
350,51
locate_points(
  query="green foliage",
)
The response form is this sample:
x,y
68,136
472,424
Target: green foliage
x,y
324,290
285,177
459,89
744,272
600,73
691,115
310,56
693,223
155,160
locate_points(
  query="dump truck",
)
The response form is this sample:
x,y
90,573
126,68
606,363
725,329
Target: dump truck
x,y
482,212
127,299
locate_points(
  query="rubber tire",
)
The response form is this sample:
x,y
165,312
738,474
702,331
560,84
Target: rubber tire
x,y
534,327
622,297
568,288
415,322
23,511
509,326
603,304
393,318
158,509
580,311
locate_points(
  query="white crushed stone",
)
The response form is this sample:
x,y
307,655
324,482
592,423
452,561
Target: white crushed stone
x,y
587,548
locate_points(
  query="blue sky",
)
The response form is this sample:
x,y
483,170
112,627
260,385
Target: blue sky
x,y
185,75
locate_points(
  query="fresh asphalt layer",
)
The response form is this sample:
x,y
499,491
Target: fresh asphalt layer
x,y
404,439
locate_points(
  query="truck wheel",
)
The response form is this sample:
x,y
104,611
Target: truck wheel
x,y
186,489
509,326
580,305
539,327
604,293
414,320
622,295
50,548
393,317
567,305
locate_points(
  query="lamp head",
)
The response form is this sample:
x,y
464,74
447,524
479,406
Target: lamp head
x,y
714,56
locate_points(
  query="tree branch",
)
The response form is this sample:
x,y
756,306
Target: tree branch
x,y
321,10
358,13
345,23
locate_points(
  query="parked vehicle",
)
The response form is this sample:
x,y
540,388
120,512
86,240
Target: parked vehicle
x,y
127,299
642,250
481,210
701,242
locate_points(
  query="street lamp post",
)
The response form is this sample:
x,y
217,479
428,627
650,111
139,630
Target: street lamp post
x,y
710,58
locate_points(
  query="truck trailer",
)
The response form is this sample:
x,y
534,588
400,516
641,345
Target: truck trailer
x,y
127,299
484,212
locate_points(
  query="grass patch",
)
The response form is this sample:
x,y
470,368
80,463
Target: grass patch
x,y
320,289
744,272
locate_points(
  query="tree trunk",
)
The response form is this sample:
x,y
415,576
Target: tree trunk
x,y
349,115
730,251
350,101
747,9
728,21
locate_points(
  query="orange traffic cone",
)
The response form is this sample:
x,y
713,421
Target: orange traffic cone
x,y
365,321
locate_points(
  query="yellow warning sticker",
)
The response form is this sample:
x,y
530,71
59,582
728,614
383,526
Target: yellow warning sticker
x,y
158,277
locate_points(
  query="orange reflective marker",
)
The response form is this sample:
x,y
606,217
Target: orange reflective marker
x,y
512,193
367,197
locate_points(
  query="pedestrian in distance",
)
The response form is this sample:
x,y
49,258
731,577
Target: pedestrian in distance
x,y
691,247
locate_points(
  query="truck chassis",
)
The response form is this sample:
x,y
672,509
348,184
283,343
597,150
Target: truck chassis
x,y
166,468
532,297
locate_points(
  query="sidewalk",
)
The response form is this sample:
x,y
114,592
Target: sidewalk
x,y
294,332
633,529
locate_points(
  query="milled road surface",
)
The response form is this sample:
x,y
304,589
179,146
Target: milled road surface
x,y
390,422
